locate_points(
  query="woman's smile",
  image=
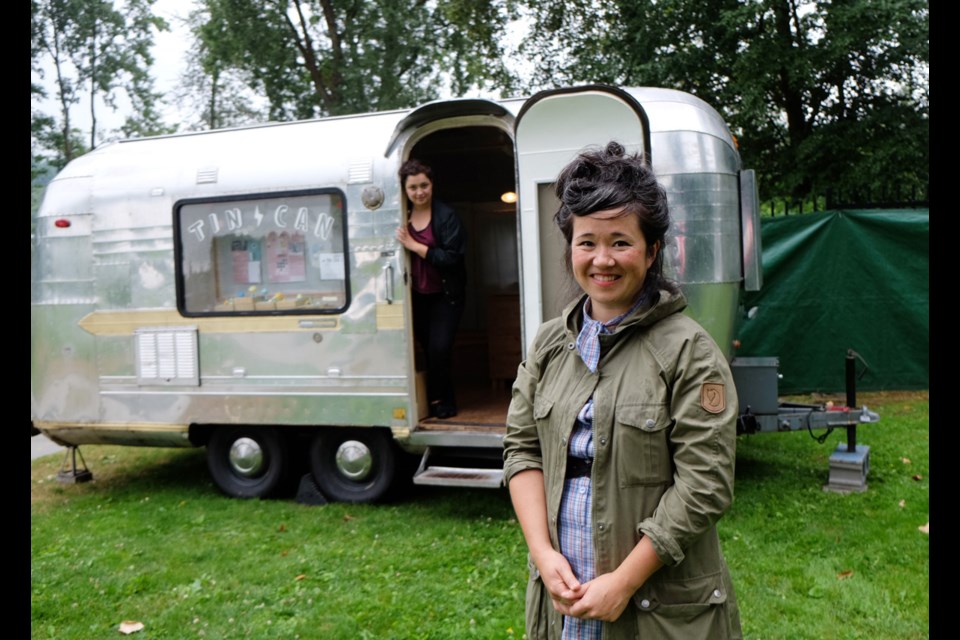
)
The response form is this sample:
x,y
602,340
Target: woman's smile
x,y
604,278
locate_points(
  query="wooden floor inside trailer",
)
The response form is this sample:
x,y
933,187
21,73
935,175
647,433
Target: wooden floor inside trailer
x,y
479,406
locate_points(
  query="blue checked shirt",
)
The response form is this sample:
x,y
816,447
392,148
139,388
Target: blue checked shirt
x,y
576,517
576,524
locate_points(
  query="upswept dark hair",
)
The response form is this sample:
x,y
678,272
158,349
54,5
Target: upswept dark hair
x,y
411,168
609,178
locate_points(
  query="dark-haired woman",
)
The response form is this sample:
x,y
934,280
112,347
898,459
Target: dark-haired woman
x,y
620,443
436,240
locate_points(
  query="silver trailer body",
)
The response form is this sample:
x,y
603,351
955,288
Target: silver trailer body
x,y
189,285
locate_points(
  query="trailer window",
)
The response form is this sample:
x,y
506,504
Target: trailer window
x,y
262,254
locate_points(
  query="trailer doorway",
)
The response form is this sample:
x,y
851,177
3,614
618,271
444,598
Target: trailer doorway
x,y
473,168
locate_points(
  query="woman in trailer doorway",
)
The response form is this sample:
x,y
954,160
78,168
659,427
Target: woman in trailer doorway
x,y
437,241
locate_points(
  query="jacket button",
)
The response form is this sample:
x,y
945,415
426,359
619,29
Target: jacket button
x,y
603,441
650,422
571,345
645,603
716,593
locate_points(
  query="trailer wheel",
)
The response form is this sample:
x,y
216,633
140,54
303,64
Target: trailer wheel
x,y
353,465
247,462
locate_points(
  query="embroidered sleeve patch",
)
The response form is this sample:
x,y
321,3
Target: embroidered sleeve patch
x,y
712,398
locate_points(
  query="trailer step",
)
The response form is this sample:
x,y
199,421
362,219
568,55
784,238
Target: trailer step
x,y
460,477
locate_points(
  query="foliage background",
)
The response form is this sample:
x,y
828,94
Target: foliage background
x,y
825,97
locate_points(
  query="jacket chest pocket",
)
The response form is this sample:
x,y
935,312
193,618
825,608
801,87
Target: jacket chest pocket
x,y
642,444
549,434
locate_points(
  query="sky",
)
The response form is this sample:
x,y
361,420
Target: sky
x,y
170,47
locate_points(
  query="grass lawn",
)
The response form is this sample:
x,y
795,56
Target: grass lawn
x,y
151,540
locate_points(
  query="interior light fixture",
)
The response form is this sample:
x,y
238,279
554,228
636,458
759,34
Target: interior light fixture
x,y
508,196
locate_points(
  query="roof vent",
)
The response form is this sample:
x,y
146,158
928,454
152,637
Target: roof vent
x,y
207,176
360,172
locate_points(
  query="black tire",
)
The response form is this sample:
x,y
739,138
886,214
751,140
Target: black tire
x,y
248,462
354,465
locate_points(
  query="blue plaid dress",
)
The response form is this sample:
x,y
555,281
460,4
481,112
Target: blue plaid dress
x,y
576,516
576,524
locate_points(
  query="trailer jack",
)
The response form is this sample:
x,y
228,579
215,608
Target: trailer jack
x,y
850,462
69,472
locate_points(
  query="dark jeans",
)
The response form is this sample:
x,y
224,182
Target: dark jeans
x,y
435,322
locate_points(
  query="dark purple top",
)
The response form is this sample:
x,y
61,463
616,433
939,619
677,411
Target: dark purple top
x,y
426,278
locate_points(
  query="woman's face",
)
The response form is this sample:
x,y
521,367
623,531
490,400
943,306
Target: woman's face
x,y
610,260
419,189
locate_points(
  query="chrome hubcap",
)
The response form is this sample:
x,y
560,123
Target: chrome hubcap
x,y
246,457
354,460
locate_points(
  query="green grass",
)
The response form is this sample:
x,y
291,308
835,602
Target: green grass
x,y
150,539
810,564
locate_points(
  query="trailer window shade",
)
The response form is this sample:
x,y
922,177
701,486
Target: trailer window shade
x,y
263,254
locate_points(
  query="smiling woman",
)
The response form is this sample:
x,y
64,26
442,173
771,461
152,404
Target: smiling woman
x,y
620,442
436,241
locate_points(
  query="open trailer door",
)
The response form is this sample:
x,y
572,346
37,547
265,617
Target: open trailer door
x,y
551,128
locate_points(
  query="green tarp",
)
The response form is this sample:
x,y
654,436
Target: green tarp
x,y
841,280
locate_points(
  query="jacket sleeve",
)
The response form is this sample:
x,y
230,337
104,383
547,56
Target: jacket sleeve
x,y
704,410
450,235
521,444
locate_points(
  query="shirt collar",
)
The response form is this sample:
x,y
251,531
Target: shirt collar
x,y
588,340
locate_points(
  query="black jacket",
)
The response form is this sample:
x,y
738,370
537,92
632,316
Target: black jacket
x,y
447,255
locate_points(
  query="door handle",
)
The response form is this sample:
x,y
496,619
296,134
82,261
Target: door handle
x,y
388,293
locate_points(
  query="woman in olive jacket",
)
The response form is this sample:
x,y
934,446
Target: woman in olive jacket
x,y
621,434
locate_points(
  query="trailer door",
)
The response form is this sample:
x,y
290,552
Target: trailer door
x,y
551,128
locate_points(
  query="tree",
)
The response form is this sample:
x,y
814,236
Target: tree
x,y
822,95
96,52
50,22
134,62
310,58
217,94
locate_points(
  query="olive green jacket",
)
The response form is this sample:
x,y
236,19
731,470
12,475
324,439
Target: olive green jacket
x,y
665,411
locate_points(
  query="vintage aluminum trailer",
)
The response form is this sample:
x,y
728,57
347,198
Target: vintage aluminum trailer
x,y
242,289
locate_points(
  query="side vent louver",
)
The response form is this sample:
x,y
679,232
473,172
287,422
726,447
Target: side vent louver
x,y
167,356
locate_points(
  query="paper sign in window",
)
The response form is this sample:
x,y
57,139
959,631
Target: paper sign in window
x,y
330,266
246,261
285,257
